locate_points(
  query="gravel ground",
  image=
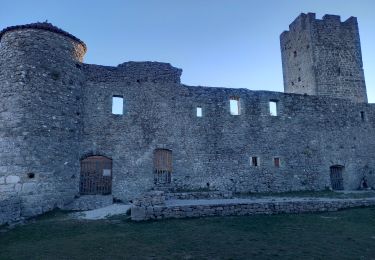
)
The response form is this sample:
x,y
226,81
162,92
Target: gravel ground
x,y
101,213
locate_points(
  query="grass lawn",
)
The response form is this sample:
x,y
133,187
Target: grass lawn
x,y
348,234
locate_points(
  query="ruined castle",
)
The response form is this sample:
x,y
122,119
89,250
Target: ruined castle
x,y
70,129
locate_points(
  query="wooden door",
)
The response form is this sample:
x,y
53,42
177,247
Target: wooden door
x,y
162,166
337,181
96,175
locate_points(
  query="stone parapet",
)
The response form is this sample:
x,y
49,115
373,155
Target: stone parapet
x,y
199,195
243,207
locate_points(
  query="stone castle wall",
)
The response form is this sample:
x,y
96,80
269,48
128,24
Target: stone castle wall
x,y
55,111
309,135
10,209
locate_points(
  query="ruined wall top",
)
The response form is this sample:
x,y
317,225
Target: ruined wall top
x,y
140,72
323,57
300,23
42,26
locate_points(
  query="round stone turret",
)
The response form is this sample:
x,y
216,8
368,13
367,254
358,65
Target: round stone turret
x,y
48,34
40,92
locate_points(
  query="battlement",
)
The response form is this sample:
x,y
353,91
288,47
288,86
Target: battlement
x,y
300,22
303,20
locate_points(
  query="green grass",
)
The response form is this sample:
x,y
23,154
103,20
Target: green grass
x,y
348,234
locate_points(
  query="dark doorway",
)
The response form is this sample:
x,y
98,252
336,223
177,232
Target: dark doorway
x,y
162,166
96,175
337,181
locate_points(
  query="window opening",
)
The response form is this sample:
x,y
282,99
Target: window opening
x,y
362,115
199,112
276,162
273,107
234,106
254,161
117,105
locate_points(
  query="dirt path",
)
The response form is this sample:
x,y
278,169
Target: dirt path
x,y
101,213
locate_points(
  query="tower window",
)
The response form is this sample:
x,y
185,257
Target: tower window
x,y
234,103
299,79
273,107
254,161
117,105
276,162
295,54
362,116
199,112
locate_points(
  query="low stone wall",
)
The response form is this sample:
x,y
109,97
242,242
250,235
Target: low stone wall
x,y
10,209
181,209
88,202
150,199
198,195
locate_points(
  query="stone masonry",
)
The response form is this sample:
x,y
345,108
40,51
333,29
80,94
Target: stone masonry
x,y
10,209
323,57
55,111
238,207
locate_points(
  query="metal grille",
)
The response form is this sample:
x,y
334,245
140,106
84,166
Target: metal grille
x,y
96,175
276,162
162,166
337,181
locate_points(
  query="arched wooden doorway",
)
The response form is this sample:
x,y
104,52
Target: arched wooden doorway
x,y
337,181
162,166
96,175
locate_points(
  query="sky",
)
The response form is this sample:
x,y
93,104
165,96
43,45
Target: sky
x,y
218,43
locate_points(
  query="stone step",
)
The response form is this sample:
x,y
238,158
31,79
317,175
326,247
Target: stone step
x,y
89,202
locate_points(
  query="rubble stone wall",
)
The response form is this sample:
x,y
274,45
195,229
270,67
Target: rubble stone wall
x,y
245,208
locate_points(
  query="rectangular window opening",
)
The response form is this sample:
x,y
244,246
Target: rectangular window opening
x,y
234,106
276,162
199,112
254,161
362,115
273,107
117,105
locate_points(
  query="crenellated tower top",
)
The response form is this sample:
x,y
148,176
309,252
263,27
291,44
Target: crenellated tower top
x,y
323,57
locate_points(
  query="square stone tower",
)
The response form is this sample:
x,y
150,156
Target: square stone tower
x,y
323,57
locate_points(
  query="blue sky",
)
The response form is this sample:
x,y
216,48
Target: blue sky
x,y
221,43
